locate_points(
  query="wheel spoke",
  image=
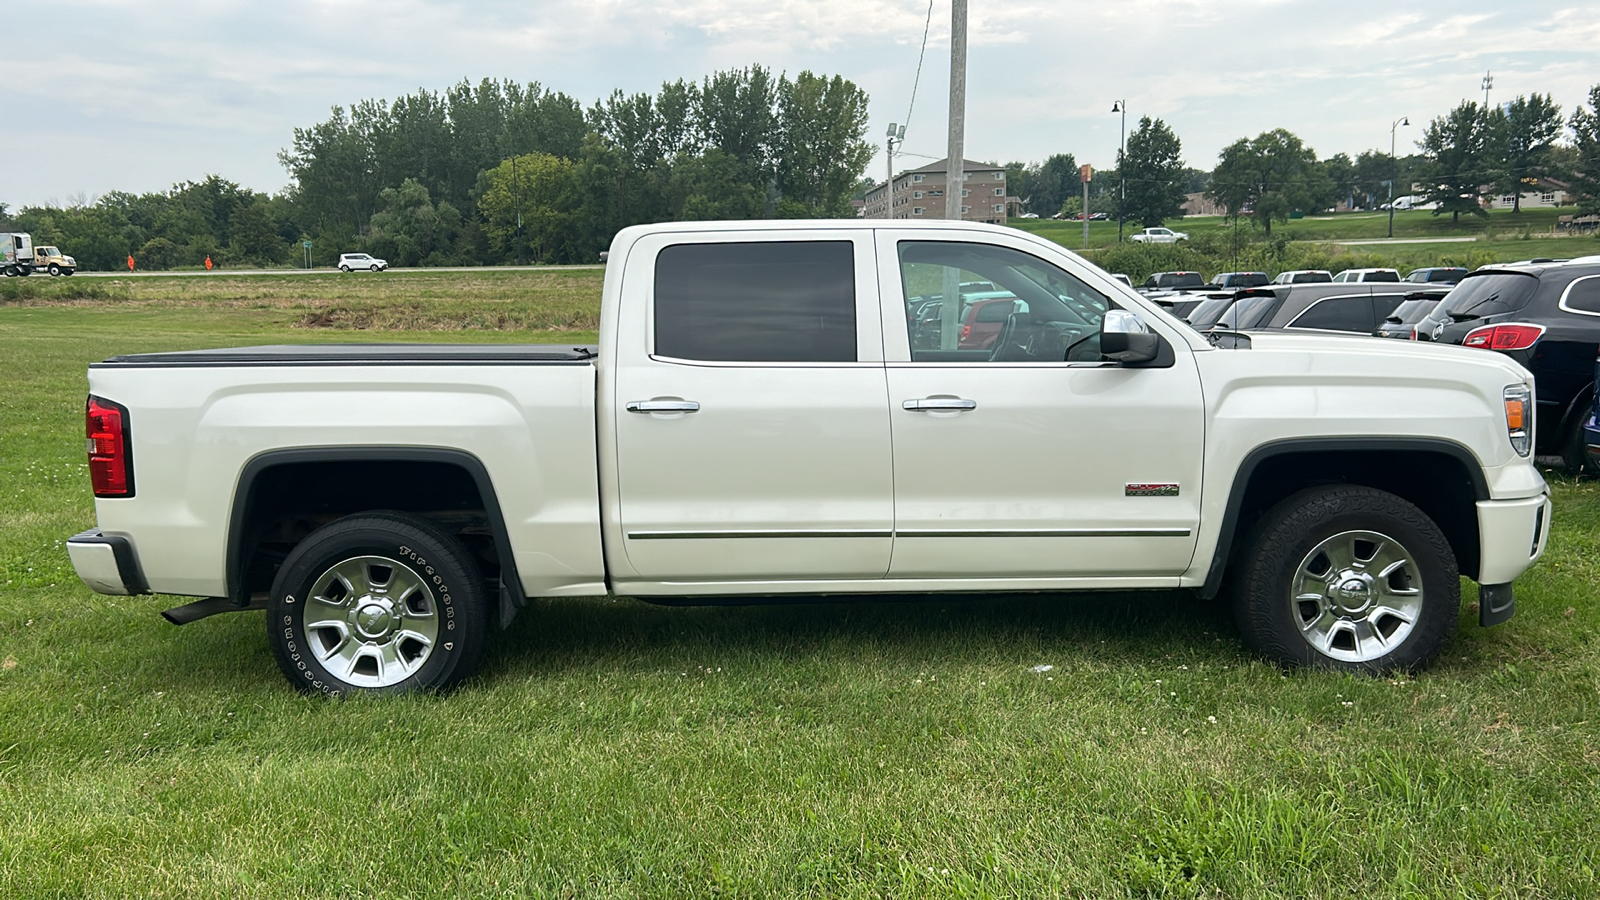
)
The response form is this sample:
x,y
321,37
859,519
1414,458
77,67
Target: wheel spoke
x,y
319,646
1350,578
325,616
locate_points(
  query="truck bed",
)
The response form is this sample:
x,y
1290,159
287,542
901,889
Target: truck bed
x,y
362,355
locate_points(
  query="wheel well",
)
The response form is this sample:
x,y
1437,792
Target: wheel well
x,y
1439,483
280,502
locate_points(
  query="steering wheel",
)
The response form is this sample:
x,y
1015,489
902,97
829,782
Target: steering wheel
x,y
1008,332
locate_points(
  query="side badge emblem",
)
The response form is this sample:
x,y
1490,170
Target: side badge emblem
x,y
1151,490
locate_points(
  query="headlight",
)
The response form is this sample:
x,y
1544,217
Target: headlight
x,y
1519,418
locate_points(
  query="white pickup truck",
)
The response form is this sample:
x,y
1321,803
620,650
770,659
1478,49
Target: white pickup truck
x,y
756,422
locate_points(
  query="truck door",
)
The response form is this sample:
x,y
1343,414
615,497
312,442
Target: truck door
x,y
1034,459
750,410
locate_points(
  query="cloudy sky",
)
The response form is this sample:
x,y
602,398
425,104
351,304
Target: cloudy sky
x,y
136,96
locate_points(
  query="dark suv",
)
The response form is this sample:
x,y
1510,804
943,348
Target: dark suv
x,y
1546,317
1356,308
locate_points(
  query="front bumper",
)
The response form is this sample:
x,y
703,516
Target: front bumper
x,y
1511,537
106,563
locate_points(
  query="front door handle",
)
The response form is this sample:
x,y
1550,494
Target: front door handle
x,y
660,406
935,404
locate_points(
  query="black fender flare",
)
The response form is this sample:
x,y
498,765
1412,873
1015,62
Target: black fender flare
x,y
1290,446
511,594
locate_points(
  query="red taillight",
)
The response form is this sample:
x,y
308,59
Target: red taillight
x,y
110,462
966,332
1504,337
1413,335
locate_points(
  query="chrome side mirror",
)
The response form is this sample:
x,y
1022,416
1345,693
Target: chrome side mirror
x,y
1126,339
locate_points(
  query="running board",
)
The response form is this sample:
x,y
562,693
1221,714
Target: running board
x,y
210,606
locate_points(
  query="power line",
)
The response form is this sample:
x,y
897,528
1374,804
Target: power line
x,y
920,54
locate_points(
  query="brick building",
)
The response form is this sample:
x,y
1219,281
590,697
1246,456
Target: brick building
x,y
920,194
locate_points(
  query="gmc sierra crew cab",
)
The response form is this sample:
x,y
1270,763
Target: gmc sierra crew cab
x,y
756,422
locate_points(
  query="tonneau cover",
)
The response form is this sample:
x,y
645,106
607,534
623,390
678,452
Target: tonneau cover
x,y
363,355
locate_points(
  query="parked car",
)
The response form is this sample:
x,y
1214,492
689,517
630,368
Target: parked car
x,y
349,262
1158,236
1591,428
1437,275
754,422
1100,217
1546,317
1367,275
983,319
1403,320
1238,280
1174,281
1122,278
1303,276
1304,307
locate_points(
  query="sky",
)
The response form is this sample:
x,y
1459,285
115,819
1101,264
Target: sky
x,y
138,96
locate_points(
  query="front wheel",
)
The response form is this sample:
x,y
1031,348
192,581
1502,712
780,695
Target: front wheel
x,y
377,603
55,269
374,267
1350,578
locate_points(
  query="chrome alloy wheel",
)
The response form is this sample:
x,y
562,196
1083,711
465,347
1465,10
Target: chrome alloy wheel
x,y
371,621
1356,596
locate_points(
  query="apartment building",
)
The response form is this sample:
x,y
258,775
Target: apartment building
x,y
921,194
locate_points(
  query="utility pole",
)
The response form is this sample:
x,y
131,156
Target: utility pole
x,y
516,186
1488,82
950,307
1120,106
897,135
1396,171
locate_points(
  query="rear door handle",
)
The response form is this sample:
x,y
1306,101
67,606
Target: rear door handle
x,y
932,404
667,406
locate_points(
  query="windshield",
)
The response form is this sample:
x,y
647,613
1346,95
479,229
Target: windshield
x,y
1411,312
46,251
1488,295
1209,311
1251,312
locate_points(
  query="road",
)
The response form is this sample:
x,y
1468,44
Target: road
x,y
1439,240
324,271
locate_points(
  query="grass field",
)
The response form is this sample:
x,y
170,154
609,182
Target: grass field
x,y
608,748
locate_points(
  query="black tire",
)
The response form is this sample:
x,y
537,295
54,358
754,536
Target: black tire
x,y
348,635
1574,459
344,268
10,271
374,267
1359,619
55,270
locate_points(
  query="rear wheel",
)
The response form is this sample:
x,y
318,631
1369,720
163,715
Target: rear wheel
x,y
343,267
1350,578
377,603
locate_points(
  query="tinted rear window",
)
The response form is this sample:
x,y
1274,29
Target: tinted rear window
x,y
1488,295
1381,276
1312,278
757,302
1209,311
1411,312
1251,312
1187,279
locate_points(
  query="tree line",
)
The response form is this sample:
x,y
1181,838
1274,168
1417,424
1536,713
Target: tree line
x,y
498,172
1466,156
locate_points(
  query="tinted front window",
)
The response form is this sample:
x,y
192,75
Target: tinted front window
x,y
757,302
1337,314
1488,295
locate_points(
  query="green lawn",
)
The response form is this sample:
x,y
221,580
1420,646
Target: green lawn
x,y
868,749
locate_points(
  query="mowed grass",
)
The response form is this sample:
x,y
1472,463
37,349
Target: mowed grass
x,y
608,748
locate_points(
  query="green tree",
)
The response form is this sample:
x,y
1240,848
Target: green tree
x,y
1050,183
1341,173
157,254
1458,165
713,186
821,146
1531,126
253,236
1584,167
1153,166
409,229
1269,177
539,188
1374,170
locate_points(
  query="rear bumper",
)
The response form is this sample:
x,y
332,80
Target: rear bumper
x,y
106,563
1511,537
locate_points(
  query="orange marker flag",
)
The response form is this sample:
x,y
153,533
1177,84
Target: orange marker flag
x,y
130,262
208,264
